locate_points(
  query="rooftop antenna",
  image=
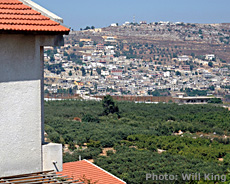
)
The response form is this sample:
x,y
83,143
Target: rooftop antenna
x,y
134,19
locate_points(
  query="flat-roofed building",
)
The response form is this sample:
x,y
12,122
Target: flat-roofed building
x,y
193,100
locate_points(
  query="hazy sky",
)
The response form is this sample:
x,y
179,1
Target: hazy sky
x,y
101,13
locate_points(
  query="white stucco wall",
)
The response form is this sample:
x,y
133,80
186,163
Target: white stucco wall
x,y
21,102
20,105
52,157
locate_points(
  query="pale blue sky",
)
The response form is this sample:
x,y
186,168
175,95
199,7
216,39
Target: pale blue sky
x,y
101,13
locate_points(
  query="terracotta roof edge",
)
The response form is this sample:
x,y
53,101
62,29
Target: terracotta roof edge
x,y
42,10
105,171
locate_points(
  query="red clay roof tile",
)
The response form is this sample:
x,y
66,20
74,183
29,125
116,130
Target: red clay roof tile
x,y
10,2
77,170
22,17
14,7
19,12
15,16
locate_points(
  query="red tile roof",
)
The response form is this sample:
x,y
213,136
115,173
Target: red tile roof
x,y
15,16
77,170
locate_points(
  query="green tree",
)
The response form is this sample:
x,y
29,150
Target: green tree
x,y
65,53
212,88
81,44
210,64
90,118
178,73
221,39
52,58
87,27
72,146
70,91
98,71
83,71
70,73
109,106
174,55
215,100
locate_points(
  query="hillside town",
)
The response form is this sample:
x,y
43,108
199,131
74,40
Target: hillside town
x,y
111,65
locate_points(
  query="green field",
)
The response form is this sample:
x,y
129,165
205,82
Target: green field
x,y
138,131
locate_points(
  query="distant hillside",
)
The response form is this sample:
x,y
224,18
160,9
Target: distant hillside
x,y
164,39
